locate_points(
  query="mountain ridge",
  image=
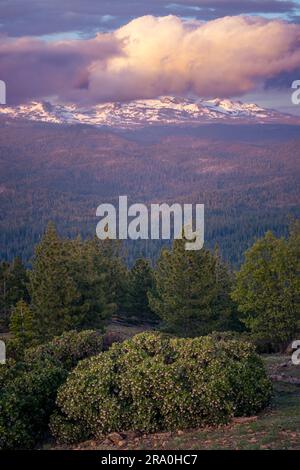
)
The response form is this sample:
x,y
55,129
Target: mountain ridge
x,y
149,112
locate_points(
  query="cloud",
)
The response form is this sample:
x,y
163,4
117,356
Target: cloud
x,y
152,56
35,69
224,57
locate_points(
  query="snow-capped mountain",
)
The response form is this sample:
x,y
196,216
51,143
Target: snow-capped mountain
x,y
138,113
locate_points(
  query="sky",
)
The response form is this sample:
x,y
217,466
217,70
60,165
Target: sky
x,y
91,51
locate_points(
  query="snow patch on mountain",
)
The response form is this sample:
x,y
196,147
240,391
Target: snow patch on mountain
x,y
138,113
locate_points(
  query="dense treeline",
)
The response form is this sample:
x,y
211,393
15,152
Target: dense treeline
x,y
80,284
72,284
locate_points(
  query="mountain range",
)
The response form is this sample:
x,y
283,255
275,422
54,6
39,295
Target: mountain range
x,y
60,161
246,175
165,110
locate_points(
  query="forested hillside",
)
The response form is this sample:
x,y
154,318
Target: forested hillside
x,y
247,177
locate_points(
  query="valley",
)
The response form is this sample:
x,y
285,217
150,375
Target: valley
x,y
246,175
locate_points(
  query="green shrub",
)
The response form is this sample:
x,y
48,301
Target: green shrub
x,y
28,388
155,382
27,398
14,349
68,349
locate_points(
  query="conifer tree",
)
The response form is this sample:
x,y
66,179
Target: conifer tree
x,y
141,281
225,309
89,271
13,287
4,296
21,324
188,295
18,282
68,285
268,288
117,277
53,291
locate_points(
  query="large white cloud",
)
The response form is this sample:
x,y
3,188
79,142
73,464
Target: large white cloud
x,y
152,56
224,57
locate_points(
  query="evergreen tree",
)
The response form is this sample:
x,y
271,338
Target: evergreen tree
x,y
53,291
189,295
268,288
68,285
141,281
13,287
18,282
224,307
117,277
21,324
88,268
4,296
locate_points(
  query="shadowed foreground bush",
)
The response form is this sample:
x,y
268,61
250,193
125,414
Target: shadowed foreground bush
x,y
153,382
28,389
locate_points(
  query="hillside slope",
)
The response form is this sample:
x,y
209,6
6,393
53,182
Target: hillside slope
x,y
247,177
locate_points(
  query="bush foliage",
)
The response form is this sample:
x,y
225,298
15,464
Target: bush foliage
x,y
27,398
155,382
67,349
28,388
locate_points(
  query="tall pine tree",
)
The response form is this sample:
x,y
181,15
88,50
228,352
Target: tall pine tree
x,y
13,287
52,289
268,288
190,294
88,268
117,276
21,324
141,282
69,285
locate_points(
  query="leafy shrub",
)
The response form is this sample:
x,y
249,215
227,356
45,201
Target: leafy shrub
x,y
28,388
27,398
155,382
14,349
68,349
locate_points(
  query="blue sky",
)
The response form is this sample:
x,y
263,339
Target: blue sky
x,y
83,18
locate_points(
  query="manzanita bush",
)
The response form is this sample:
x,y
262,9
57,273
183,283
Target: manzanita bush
x,y
28,388
68,348
155,382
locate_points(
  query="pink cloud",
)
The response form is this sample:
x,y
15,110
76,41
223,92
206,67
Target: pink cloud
x,y
34,69
152,56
